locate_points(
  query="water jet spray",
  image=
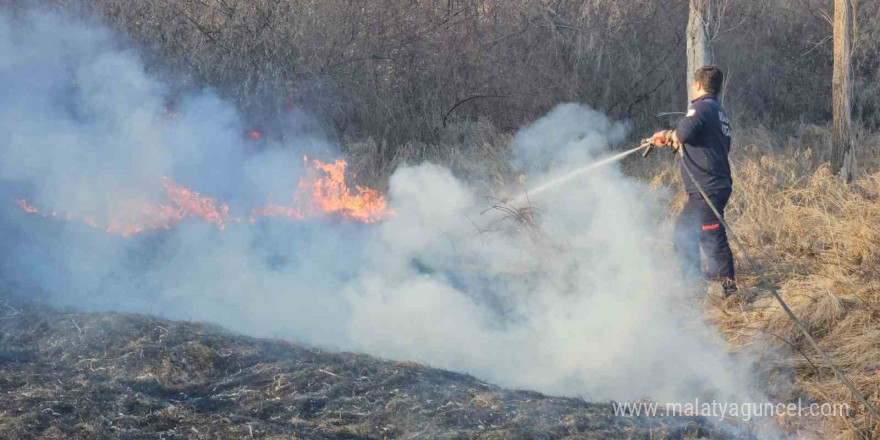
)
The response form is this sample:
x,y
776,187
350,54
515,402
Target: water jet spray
x,y
644,144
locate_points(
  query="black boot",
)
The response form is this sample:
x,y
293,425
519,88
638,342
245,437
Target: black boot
x,y
728,286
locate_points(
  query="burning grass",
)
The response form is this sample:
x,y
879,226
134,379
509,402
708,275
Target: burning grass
x,y
123,376
132,376
323,190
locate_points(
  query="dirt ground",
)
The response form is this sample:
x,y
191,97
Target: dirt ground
x,y
124,376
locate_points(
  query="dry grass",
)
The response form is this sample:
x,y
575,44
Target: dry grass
x,y
818,239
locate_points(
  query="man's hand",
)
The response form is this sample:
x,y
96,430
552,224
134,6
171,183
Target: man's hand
x,y
662,138
674,142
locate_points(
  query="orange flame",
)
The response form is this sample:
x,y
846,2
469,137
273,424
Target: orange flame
x,y
192,204
25,207
331,194
323,191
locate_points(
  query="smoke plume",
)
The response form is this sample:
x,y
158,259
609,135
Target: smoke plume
x,y
588,304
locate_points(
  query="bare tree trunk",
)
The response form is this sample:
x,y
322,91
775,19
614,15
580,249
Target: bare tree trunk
x,y
841,91
699,46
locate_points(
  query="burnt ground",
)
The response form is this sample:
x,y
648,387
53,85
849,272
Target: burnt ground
x,y
127,376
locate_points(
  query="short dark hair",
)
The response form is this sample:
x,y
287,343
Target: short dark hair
x,y
711,78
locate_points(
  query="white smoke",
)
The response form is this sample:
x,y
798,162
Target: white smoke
x,y
589,306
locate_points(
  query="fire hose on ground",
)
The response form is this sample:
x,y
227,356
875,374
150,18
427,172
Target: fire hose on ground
x,y
647,145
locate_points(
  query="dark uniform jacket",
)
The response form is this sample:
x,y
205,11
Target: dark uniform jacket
x,y
705,131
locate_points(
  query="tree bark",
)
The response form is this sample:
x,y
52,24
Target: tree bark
x,y
842,161
699,47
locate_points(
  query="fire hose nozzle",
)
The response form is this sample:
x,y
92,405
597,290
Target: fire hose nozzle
x,y
648,145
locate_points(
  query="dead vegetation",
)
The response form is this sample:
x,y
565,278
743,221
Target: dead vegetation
x,y
400,71
391,80
123,376
818,239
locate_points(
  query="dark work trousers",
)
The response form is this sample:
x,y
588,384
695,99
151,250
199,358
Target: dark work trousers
x,y
697,227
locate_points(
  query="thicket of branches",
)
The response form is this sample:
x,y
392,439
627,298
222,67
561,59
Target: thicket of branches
x,y
398,70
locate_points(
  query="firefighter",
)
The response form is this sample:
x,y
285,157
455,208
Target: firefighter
x,y
705,134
